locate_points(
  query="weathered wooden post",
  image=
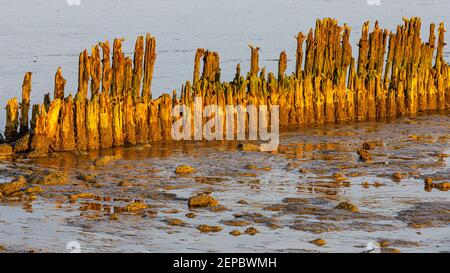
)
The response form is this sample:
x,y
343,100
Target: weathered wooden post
x,y
12,120
60,83
25,105
254,60
149,63
137,68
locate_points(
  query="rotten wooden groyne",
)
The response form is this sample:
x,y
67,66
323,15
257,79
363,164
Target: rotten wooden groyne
x,y
395,74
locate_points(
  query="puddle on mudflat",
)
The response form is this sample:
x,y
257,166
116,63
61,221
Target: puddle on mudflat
x,y
136,202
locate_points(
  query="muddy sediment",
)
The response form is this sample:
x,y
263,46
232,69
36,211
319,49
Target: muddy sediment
x,y
290,207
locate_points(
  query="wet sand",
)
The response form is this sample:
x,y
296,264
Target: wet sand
x,y
315,186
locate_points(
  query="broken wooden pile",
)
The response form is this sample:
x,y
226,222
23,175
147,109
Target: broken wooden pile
x,y
394,75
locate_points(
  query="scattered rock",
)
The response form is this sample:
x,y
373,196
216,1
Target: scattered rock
x,y
347,206
318,242
251,231
202,200
397,176
208,228
364,155
84,195
339,177
235,232
135,207
303,171
49,178
33,190
444,186
6,149
14,186
191,215
174,222
249,147
429,185
242,202
236,223
184,169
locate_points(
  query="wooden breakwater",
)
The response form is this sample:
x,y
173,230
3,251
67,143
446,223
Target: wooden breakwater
x,y
395,74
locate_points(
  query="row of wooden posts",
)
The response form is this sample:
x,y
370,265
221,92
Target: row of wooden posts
x,y
395,74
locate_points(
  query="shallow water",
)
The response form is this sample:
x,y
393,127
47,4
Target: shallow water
x,y
289,207
40,35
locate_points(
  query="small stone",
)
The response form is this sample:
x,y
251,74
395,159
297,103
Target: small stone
x,y
347,206
365,184
202,200
242,202
236,223
303,171
397,176
49,178
13,186
339,177
135,207
174,222
33,190
235,232
249,147
251,231
428,181
191,215
184,169
364,155
318,242
208,228
444,186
